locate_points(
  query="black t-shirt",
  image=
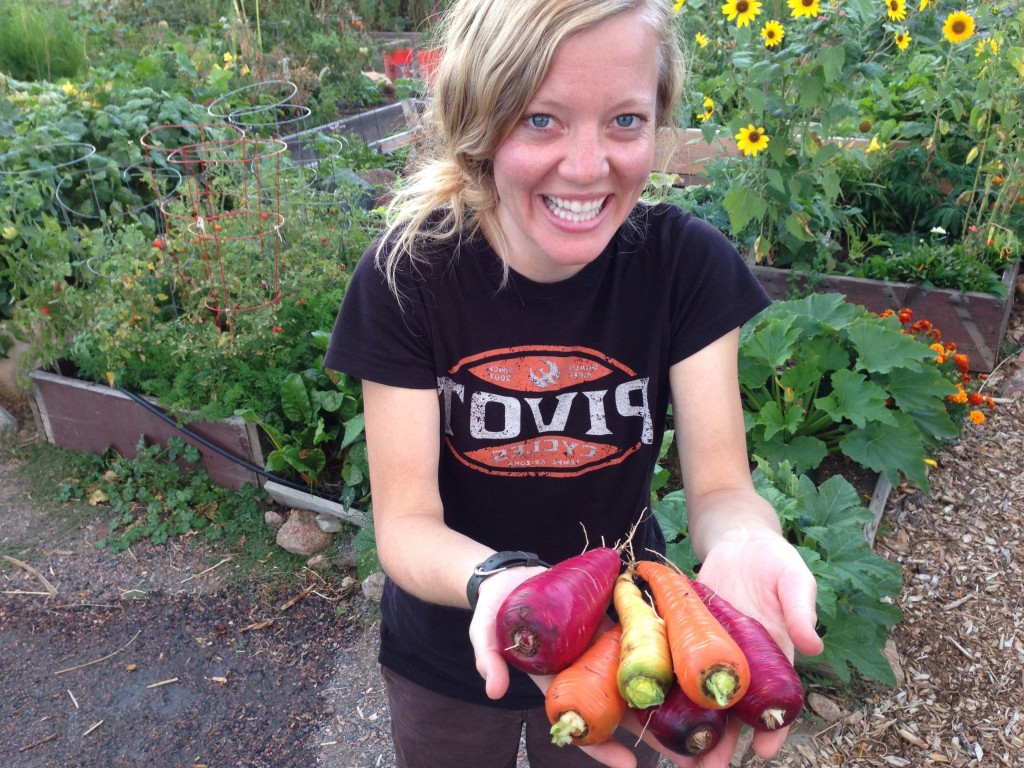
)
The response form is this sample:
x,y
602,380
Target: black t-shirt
x,y
553,400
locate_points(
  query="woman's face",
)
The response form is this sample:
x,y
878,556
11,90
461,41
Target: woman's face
x,y
575,164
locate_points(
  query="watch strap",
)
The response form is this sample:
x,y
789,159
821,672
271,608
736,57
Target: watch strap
x,y
496,563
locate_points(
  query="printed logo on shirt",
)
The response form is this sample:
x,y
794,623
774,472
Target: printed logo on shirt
x,y
539,410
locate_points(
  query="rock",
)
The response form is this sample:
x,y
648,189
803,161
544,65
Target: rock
x,y
824,707
345,559
319,562
1014,383
273,519
373,586
329,523
8,424
301,535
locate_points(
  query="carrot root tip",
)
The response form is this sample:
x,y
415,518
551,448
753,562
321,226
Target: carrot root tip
x,y
570,725
700,739
773,718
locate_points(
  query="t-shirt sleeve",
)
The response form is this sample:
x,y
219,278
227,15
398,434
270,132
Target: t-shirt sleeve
x,y
378,337
714,290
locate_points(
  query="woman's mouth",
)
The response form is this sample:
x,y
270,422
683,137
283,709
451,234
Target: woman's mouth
x,y
574,210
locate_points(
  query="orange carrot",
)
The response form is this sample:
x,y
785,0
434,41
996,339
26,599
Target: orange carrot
x,y
583,702
709,665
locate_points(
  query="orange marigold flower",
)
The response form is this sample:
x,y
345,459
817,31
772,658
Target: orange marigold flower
x,y
936,334
951,347
990,403
921,326
959,397
940,353
962,362
905,315
976,398
977,417
887,313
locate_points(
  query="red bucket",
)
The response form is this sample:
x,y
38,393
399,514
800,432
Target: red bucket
x,y
427,62
398,63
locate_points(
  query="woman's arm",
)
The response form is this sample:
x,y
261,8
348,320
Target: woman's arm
x,y
416,549
735,532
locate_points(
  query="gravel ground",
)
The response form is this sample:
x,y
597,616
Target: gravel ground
x,y
164,656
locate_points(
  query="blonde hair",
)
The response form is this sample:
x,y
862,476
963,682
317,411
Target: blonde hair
x,y
495,55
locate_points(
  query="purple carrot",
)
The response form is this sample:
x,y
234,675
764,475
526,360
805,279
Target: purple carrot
x,y
775,696
682,726
549,620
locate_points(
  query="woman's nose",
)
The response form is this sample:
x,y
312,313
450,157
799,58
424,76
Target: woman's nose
x,y
586,157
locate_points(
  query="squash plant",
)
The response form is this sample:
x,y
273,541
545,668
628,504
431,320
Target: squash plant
x,y
821,376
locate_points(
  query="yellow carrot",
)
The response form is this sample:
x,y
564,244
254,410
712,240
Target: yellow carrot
x,y
645,663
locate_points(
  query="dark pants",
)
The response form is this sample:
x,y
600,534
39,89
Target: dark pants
x,y
434,731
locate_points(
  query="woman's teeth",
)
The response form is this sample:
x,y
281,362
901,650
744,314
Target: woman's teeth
x,y
573,210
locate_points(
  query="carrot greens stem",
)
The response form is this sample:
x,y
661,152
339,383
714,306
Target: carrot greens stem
x,y
721,684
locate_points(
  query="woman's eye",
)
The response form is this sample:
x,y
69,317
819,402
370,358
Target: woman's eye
x,y
627,121
539,121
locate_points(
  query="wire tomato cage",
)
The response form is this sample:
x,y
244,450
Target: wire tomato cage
x,y
227,209
312,166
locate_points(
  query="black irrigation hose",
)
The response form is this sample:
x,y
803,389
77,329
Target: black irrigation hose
x,y
216,448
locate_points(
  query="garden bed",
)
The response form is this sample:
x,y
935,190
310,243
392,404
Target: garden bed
x,y
83,416
977,322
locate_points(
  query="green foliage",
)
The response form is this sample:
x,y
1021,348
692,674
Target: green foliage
x,y
943,119
317,433
856,588
38,42
165,492
820,376
934,263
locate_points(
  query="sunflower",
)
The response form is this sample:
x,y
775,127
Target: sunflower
x,y
896,9
742,11
958,26
902,39
772,32
709,110
924,4
702,39
800,8
751,140
678,6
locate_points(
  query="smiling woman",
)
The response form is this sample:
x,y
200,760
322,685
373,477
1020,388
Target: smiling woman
x,y
520,329
577,163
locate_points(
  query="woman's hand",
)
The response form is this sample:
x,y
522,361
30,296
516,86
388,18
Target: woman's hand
x,y
483,634
763,577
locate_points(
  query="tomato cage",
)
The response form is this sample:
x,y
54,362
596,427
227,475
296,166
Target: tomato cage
x,y
270,109
227,209
30,174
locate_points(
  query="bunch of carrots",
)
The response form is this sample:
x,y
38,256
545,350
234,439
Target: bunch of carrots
x,y
681,663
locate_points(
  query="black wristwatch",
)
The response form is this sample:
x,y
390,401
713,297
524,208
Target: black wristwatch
x,y
496,563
